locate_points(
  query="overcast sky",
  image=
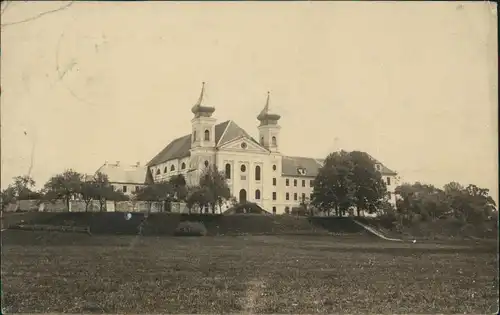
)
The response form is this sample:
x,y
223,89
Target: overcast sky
x,y
413,84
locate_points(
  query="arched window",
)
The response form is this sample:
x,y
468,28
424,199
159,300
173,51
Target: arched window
x,y
165,170
172,168
207,135
274,210
243,168
183,165
274,167
194,136
273,140
257,194
158,172
228,171
257,172
206,163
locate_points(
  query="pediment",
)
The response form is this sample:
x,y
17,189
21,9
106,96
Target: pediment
x,y
243,144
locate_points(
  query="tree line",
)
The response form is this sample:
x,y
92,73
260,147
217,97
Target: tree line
x,y
347,183
210,194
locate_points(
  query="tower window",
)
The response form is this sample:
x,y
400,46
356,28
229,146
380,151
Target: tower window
x,y
172,168
274,195
183,166
273,140
228,171
243,168
207,135
257,172
194,136
257,194
274,181
287,196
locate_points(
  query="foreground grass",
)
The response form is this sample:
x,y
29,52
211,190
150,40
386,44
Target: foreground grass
x,y
73,273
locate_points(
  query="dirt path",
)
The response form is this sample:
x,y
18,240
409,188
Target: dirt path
x,y
377,233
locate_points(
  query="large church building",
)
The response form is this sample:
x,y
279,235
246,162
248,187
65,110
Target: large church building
x,y
256,171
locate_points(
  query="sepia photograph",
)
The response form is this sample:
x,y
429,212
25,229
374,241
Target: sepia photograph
x,y
249,157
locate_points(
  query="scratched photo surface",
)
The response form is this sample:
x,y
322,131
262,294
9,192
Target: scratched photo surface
x,y
249,157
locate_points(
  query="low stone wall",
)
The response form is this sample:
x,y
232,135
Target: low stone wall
x,y
94,206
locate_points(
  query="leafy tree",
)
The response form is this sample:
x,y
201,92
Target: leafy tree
x,y
305,204
7,196
197,196
178,183
88,192
216,186
157,192
23,187
64,186
103,189
469,204
369,188
425,201
333,186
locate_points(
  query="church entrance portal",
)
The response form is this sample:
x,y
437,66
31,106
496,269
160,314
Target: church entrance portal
x,y
243,196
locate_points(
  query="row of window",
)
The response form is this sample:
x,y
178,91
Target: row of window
x,y
172,168
243,169
287,196
311,183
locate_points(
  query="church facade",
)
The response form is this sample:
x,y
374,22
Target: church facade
x,y
256,170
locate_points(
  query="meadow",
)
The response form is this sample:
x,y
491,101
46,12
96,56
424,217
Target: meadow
x,y
74,273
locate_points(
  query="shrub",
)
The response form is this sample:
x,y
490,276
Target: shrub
x,y
188,228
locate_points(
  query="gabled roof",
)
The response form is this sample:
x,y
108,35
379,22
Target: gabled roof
x,y
291,166
384,170
233,131
124,174
179,148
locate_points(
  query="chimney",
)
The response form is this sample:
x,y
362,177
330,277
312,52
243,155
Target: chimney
x,y
117,163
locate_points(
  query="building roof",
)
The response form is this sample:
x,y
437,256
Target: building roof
x,y
384,170
292,165
309,167
134,174
179,148
228,131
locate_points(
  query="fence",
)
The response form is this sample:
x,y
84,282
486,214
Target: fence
x,y
94,206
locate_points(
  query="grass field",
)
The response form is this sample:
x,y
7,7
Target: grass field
x,y
73,273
